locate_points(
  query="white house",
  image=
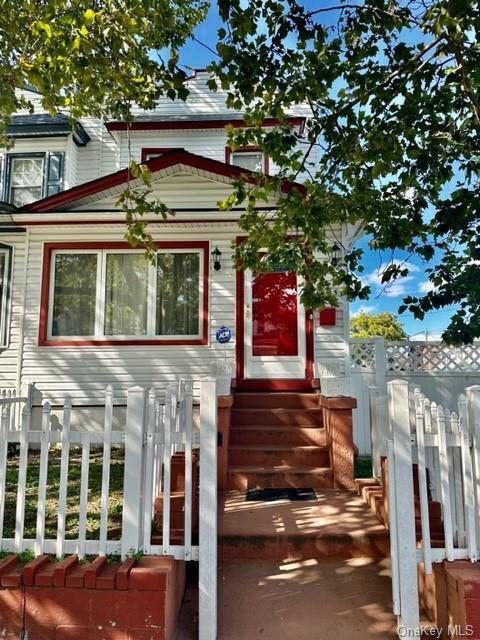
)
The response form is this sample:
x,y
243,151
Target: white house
x,y
81,309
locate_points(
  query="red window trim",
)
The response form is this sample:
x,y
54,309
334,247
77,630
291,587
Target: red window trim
x,y
147,150
251,147
48,247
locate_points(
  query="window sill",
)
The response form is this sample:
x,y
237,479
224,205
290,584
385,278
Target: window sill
x,y
122,343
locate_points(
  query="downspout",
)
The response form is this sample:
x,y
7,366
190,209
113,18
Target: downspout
x,y
21,333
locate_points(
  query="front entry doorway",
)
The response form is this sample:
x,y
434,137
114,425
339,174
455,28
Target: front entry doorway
x,y
276,333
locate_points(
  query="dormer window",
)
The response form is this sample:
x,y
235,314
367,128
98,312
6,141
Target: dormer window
x,y
26,179
251,158
31,176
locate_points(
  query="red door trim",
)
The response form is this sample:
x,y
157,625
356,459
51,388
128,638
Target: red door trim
x,y
270,384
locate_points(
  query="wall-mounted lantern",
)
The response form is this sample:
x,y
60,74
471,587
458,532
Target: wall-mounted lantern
x,y
217,259
335,254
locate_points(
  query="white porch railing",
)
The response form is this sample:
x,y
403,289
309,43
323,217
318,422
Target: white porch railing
x,y
445,446
156,428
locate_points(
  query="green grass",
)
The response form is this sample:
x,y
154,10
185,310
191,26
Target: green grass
x,y
363,467
115,500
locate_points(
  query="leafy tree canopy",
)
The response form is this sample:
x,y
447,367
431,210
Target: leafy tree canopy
x,y
371,325
393,94
93,57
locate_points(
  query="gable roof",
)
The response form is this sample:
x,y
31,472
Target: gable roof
x,y
178,157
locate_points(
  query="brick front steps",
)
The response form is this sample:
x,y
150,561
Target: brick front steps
x,y
336,524
95,600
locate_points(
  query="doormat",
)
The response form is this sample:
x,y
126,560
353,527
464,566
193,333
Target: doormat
x,y
289,493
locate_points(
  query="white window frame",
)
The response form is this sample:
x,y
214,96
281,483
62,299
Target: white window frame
x,y
100,298
248,152
11,157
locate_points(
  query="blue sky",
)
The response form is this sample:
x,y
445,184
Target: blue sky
x,y
194,55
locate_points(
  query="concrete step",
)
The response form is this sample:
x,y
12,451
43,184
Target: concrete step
x,y
275,400
277,454
285,417
275,435
337,524
262,477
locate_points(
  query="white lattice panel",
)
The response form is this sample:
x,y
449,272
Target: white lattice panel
x,y
362,354
431,356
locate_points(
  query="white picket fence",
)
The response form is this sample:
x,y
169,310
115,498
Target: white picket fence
x,y
157,427
445,446
441,371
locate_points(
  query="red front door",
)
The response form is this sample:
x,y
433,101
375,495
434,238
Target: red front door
x,y
274,327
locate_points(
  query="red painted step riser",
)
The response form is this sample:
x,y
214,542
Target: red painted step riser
x,y
242,481
299,548
318,458
276,400
271,417
295,436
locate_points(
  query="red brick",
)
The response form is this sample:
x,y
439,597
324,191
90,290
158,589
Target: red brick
x,y
74,579
11,607
148,579
123,573
32,567
62,569
7,563
13,576
92,570
106,579
67,632
47,608
44,576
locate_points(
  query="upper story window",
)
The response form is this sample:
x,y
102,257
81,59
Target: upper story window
x,y
105,294
28,177
250,158
149,153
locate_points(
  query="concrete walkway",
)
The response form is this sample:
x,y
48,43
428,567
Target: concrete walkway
x,y
329,599
347,599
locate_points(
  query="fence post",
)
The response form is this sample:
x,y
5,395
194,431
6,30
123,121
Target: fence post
x,y
380,363
404,512
208,511
473,413
132,518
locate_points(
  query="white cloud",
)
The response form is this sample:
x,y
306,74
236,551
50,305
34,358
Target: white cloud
x,y
363,309
425,287
396,287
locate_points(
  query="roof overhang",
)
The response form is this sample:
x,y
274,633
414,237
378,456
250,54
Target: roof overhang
x,y
154,123
46,126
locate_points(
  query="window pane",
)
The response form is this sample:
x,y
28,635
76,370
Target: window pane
x,y
178,294
74,294
27,172
126,294
252,161
26,180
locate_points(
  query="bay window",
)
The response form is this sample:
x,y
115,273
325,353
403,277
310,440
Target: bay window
x,y
113,294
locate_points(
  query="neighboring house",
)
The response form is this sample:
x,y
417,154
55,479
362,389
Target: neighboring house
x,y
81,309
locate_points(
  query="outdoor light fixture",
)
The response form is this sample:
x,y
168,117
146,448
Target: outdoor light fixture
x,y
216,255
335,254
